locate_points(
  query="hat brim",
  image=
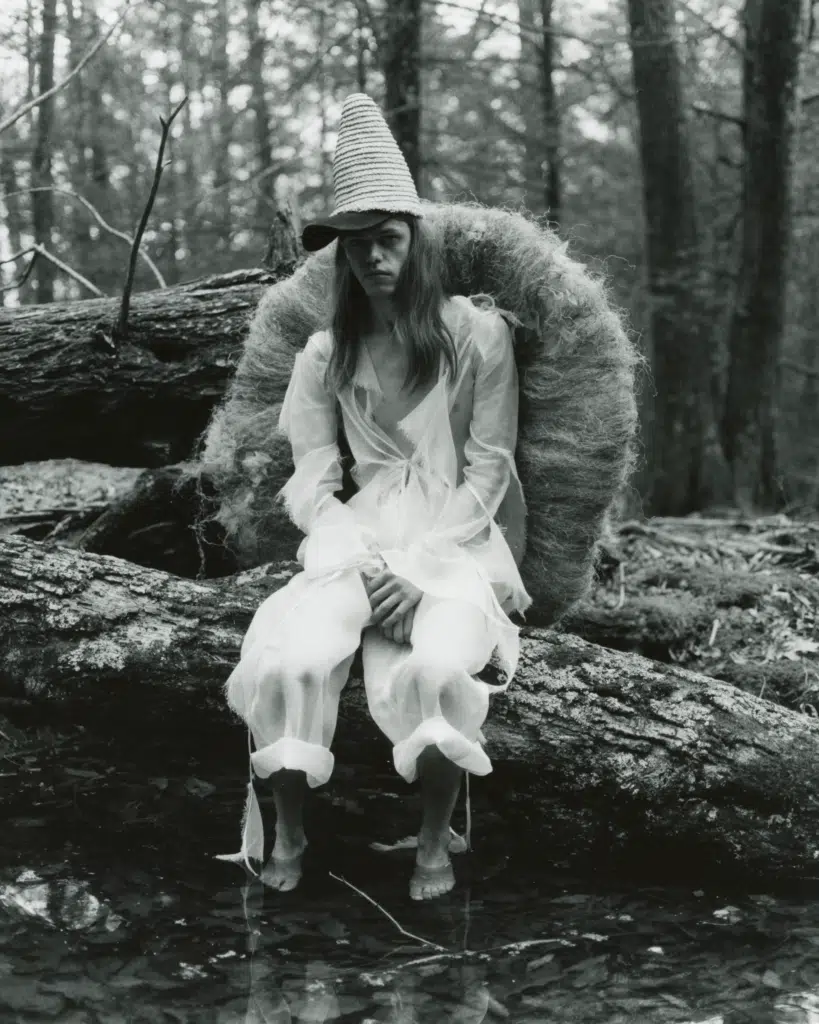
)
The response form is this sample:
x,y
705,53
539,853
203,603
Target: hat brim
x,y
319,233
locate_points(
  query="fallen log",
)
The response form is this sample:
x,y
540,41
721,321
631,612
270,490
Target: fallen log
x,y
595,750
66,392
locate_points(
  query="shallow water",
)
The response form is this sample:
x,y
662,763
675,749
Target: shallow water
x,y
113,910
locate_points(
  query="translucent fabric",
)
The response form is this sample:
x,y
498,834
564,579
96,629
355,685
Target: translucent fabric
x,y
425,509
421,508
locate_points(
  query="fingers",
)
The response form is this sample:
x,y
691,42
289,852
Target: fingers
x,y
397,613
385,607
400,632
382,589
371,583
409,621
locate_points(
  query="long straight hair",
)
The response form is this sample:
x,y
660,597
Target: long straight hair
x,y
419,325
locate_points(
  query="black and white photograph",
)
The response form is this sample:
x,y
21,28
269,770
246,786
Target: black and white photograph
x,y
409,511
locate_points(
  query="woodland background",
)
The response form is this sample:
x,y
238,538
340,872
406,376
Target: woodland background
x,y
673,144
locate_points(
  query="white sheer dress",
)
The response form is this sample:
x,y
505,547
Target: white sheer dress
x,y
426,508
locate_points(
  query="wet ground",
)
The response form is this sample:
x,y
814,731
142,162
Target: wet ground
x,y
113,910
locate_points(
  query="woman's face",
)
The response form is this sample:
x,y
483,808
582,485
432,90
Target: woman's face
x,y
377,255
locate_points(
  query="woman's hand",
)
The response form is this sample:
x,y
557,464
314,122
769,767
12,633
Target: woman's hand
x,y
391,598
401,632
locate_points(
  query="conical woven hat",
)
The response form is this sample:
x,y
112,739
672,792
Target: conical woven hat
x,y
371,179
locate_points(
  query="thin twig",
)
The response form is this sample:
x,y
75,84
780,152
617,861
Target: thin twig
x,y
121,328
26,273
386,913
26,107
717,30
40,250
98,218
719,115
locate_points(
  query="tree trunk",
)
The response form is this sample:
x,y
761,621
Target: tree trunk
x,y
770,76
402,74
683,424
63,392
551,115
538,102
224,131
80,220
266,182
529,63
115,203
612,749
15,218
42,203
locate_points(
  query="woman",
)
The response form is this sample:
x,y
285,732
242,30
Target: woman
x,y
414,565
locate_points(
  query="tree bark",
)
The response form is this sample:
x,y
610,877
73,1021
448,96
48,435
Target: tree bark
x,y
42,203
266,183
538,107
773,30
609,750
551,115
15,218
80,221
683,428
402,75
64,393
222,220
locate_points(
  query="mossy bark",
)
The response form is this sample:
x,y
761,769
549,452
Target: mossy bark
x,y
593,749
65,391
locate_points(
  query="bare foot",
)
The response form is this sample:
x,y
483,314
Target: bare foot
x,y
433,875
283,869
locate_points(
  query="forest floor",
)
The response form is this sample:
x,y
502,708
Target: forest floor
x,y
734,598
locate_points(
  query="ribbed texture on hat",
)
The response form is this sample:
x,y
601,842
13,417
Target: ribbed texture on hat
x,y
369,170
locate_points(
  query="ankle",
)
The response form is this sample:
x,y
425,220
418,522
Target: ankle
x,y
289,841
434,838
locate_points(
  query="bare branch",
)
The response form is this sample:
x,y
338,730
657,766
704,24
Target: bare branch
x,y
121,328
802,368
812,98
26,273
719,115
716,30
98,218
40,250
531,32
37,100
366,12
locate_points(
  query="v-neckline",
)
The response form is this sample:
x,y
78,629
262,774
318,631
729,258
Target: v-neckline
x,y
399,424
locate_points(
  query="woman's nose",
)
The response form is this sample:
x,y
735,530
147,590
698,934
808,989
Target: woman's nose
x,y
374,254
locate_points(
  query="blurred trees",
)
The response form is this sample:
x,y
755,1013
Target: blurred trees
x,y
681,419
535,103
773,40
42,200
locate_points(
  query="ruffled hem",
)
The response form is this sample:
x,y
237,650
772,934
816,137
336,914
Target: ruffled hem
x,y
437,732
289,752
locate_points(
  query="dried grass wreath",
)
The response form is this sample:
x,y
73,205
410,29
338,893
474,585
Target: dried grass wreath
x,y
578,415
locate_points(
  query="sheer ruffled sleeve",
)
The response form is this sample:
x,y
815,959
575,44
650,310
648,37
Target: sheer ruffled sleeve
x,y
334,539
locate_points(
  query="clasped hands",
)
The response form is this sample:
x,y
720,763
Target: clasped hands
x,y
393,600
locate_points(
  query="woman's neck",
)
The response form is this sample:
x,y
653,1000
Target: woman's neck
x,y
382,315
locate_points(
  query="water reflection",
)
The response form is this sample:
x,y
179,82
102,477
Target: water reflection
x,y
318,992
61,903
104,919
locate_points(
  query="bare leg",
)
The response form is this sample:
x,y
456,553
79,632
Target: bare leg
x,y
440,785
283,870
